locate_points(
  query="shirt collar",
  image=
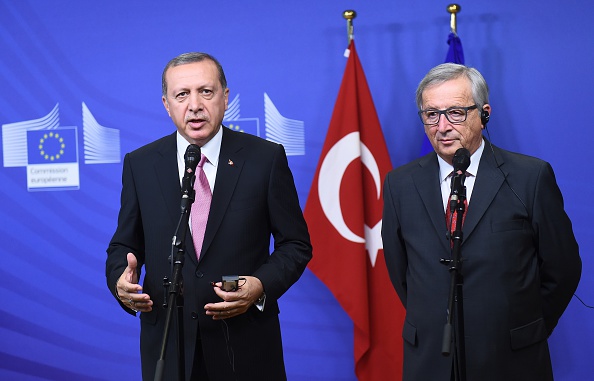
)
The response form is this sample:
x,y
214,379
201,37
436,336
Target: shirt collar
x,y
211,149
446,169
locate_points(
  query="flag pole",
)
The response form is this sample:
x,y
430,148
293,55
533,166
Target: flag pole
x,y
453,9
349,15
455,316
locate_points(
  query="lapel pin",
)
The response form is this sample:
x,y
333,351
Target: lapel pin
x,y
230,162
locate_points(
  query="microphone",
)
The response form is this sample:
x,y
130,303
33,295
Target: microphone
x,y
461,163
461,160
191,159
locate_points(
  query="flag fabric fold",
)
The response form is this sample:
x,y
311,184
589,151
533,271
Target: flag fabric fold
x,y
455,52
344,215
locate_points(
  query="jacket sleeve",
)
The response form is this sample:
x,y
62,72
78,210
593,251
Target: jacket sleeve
x,y
394,249
292,247
559,261
129,236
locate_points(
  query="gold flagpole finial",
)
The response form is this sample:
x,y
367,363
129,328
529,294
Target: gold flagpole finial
x,y
349,15
452,10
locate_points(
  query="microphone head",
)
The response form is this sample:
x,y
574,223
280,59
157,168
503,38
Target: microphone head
x,y
192,157
461,160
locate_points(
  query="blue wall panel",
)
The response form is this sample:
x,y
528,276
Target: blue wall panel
x,y
58,320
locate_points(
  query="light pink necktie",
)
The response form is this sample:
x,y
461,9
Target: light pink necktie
x,y
201,207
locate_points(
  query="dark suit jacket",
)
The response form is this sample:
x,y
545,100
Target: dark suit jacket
x,y
520,266
253,198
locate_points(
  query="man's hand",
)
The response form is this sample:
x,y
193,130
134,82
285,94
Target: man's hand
x,y
235,302
128,290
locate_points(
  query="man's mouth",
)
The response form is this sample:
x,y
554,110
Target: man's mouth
x,y
195,122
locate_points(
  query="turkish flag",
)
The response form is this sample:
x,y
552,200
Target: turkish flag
x,y
344,215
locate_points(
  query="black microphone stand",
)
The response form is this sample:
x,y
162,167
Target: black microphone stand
x,y
455,301
174,289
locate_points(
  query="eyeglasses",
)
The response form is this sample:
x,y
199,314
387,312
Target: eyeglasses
x,y
453,114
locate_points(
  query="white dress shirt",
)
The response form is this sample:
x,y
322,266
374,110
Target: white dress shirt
x,y
446,170
211,150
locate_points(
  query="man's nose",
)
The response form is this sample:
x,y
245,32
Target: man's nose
x,y
195,102
443,124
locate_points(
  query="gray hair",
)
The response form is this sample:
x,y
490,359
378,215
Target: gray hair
x,y
448,71
188,58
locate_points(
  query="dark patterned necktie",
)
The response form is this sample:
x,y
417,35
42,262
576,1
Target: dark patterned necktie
x,y
452,217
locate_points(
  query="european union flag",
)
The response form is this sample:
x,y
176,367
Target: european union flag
x,y
247,125
455,52
52,146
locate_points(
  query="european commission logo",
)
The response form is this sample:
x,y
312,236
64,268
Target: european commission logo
x,y
50,151
288,132
52,160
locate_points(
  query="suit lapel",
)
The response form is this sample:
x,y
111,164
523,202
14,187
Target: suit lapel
x,y
230,165
487,184
427,183
166,171
165,167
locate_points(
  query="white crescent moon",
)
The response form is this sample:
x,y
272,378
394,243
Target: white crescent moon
x,y
332,171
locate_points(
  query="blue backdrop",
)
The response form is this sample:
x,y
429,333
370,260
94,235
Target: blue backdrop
x,y
80,87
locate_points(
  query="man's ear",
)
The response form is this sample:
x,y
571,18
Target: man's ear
x,y
166,105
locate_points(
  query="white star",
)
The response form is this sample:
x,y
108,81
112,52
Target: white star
x,y
373,241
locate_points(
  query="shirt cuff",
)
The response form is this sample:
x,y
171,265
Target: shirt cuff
x,y
261,302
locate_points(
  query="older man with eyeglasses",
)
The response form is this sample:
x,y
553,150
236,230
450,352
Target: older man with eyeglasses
x,y
519,260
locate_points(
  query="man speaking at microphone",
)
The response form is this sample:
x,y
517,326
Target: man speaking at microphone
x,y
245,194
520,262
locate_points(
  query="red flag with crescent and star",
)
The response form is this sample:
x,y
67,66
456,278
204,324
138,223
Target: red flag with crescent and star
x,y
344,216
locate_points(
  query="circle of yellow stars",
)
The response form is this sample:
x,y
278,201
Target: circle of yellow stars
x,y
57,138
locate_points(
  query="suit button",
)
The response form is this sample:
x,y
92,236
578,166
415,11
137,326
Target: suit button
x,y
194,315
199,274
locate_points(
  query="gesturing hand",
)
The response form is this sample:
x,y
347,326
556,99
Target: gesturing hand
x,y
129,291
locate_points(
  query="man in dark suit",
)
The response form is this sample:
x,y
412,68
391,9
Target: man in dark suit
x,y
520,260
227,335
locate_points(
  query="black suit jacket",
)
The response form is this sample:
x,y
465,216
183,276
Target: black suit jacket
x,y
520,266
254,196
